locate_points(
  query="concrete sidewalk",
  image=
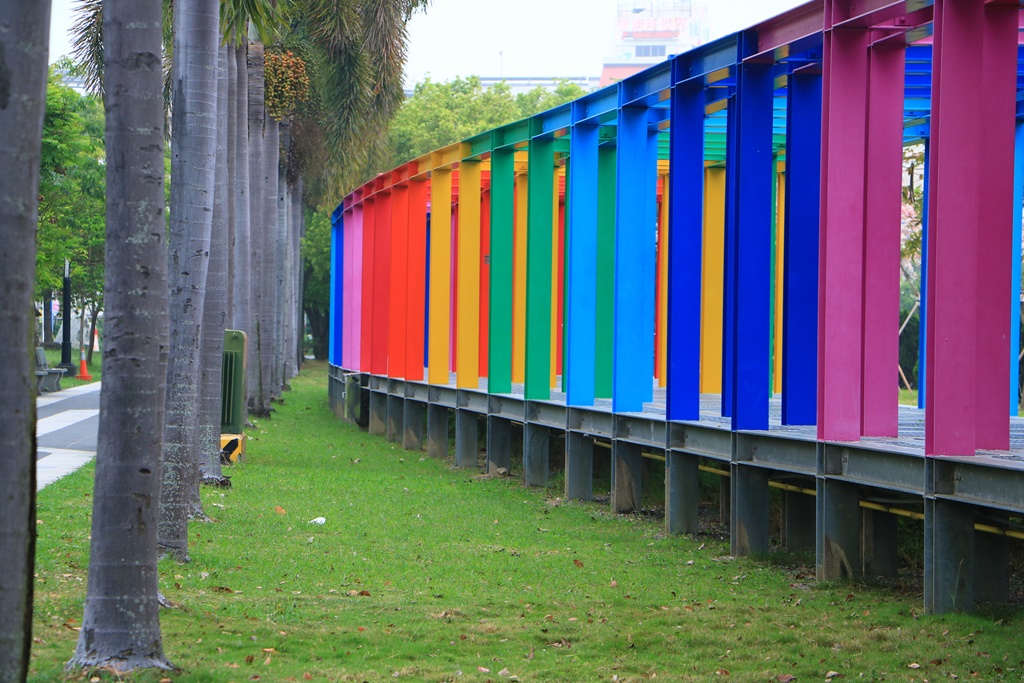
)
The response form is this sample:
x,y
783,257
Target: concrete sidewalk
x,y
67,424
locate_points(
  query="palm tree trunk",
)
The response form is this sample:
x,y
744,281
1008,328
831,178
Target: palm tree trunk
x,y
241,316
232,121
215,307
297,234
21,129
281,268
259,400
268,318
121,624
193,147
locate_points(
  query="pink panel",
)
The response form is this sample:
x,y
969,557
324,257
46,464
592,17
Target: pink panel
x,y
844,93
995,224
348,242
951,408
356,309
882,203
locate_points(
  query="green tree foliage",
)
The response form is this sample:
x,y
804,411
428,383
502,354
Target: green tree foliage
x,y
439,114
316,262
72,191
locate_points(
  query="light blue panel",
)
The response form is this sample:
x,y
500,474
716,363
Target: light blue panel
x,y
581,271
633,344
649,204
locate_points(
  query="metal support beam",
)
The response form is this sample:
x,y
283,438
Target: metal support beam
x,y
749,518
949,554
579,466
437,431
413,421
467,438
378,413
880,547
499,443
838,536
395,418
536,454
798,525
682,493
627,476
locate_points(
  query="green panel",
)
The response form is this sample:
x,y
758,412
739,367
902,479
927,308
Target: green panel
x,y
499,369
605,270
232,388
538,270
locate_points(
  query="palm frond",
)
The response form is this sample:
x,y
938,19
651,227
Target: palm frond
x,y
87,42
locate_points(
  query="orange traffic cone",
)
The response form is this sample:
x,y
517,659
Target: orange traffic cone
x,y
83,372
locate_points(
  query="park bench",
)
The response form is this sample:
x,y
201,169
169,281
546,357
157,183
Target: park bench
x,y
47,378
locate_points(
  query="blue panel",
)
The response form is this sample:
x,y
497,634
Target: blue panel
x,y
649,274
729,270
922,339
581,273
633,343
686,224
336,294
800,286
1015,255
751,276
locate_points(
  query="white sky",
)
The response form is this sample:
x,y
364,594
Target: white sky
x,y
540,38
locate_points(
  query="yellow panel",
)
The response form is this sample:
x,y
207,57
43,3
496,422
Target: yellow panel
x,y
440,275
467,362
519,284
712,291
663,285
780,243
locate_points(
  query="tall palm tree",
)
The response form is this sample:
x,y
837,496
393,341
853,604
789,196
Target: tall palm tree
x,y
121,625
21,129
241,316
193,150
215,306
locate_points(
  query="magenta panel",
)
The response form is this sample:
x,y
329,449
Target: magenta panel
x,y
882,206
845,69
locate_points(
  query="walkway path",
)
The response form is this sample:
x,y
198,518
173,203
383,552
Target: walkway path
x,y
66,428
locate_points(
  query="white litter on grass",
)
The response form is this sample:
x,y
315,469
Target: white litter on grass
x,y
318,520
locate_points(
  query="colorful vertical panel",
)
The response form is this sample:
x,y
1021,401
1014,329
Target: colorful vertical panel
x,y
439,337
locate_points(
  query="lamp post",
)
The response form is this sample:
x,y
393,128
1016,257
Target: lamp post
x,y
65,346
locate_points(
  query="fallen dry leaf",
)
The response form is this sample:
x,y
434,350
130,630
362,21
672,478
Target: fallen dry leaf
x,y
483,670
722,672
306,676
913,665
366,593
614,583
279,510
504,672
577,563
785,678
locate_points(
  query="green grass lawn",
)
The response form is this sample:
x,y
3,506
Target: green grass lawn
x,y
426,573
95,370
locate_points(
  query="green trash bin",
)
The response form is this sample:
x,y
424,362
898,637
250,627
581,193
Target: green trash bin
x,y
232,415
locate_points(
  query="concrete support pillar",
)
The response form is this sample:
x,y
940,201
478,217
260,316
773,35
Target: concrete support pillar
x,y
992,574
949,552
437,431
798,526
682,498
499,443
749,519
378,413
467,435
579,466
627,476
396,416
412,421
536,454
838,537
879,544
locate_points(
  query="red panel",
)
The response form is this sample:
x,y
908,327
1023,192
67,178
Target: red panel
x,y
381,285
416,280
399,280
